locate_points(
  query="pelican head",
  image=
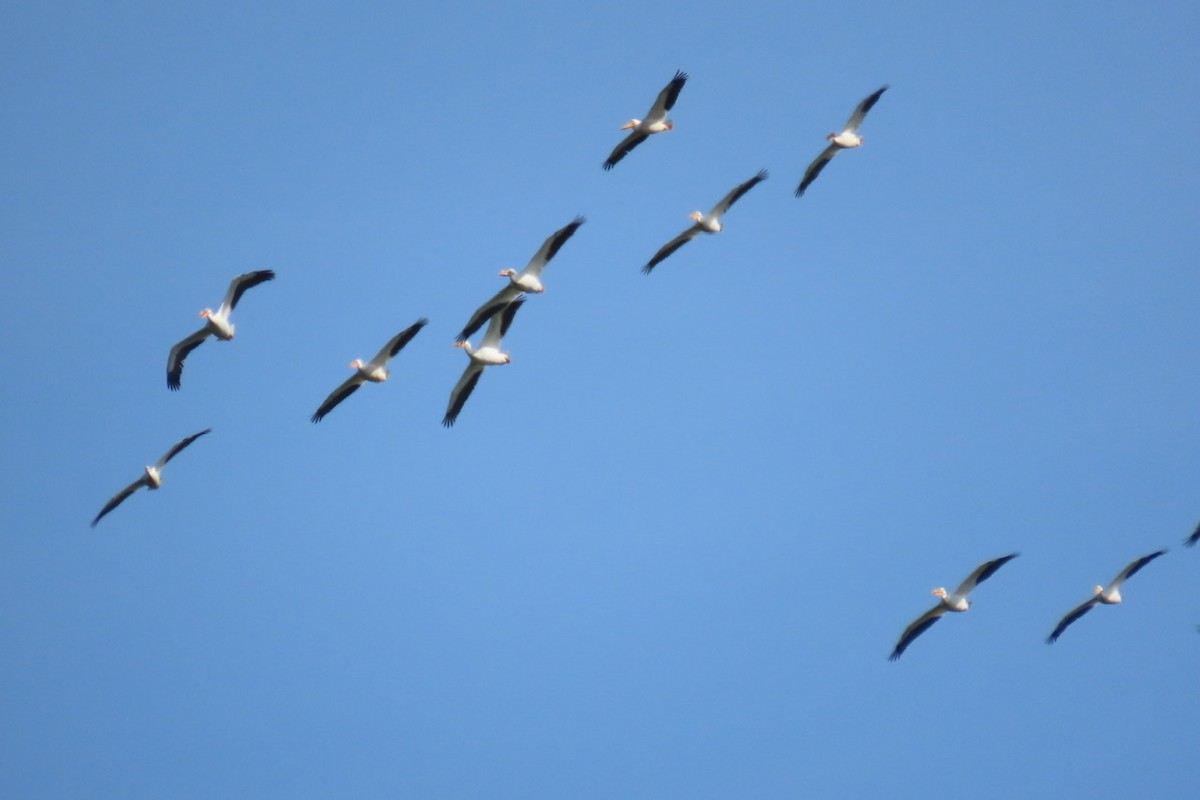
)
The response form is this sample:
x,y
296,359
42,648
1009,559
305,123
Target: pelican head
x,y
668,124
507,358
696,215
464,344
940,592
831,137
633,123
1098,590
508,273
356,363
206,313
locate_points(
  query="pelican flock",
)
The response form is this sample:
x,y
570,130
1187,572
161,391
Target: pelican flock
x,y
1108,595
500,309
527,280
216,323
488,355
153,477
375,370
840,141
705,223
956,601
655,122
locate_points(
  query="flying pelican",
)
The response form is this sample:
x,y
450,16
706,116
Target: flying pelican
x,y
950,602
1108,595
705,223
655,122
527,280
375,370
1195,537
216,323
839,141
152,479
488,354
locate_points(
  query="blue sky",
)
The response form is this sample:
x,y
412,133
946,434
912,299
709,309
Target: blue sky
x,y
667,550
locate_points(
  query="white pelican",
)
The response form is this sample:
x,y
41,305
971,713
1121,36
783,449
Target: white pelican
x,y
152,479
1195,537
705,223
216,323
950,602
375,370
1102,594
527,280
655,122
487,355
839,141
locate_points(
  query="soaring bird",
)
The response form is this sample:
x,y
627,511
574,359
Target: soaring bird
x,y
1108,595
705,223
1195,537
949,602
655,122
216,323
488,354
153,477
375,370
840,141
527,280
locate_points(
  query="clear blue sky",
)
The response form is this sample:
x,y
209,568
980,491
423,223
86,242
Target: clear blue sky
x,y
667,550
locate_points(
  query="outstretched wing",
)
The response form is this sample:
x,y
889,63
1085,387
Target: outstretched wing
x,y
918,627
119,498
177,355
397,342
860,112
462,390
814,169
627,144
667,97
497,302
1132,569
551,246
1071,616
348,387
178,446
239,285
731,198
982,573
670,247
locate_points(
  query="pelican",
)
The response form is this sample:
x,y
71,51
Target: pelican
x,y
216,323
705,223
950,602
375,370
840,141
655,122
1195,537
527,280
487,355
153,477
1108,595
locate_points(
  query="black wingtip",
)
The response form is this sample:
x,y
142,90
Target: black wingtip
x,y
448,421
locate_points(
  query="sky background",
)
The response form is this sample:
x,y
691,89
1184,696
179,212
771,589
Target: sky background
x,y
666,551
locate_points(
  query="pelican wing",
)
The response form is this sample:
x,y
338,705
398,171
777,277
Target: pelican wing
x,y
670,247
918,627
178,353
728,200
462,390
499,324
860,112
814,169
1132,569
551,246
397,342
1071,616
1195,537
627,144
182,443
982,573
119,498
347,388
497,302
238,286
667,97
